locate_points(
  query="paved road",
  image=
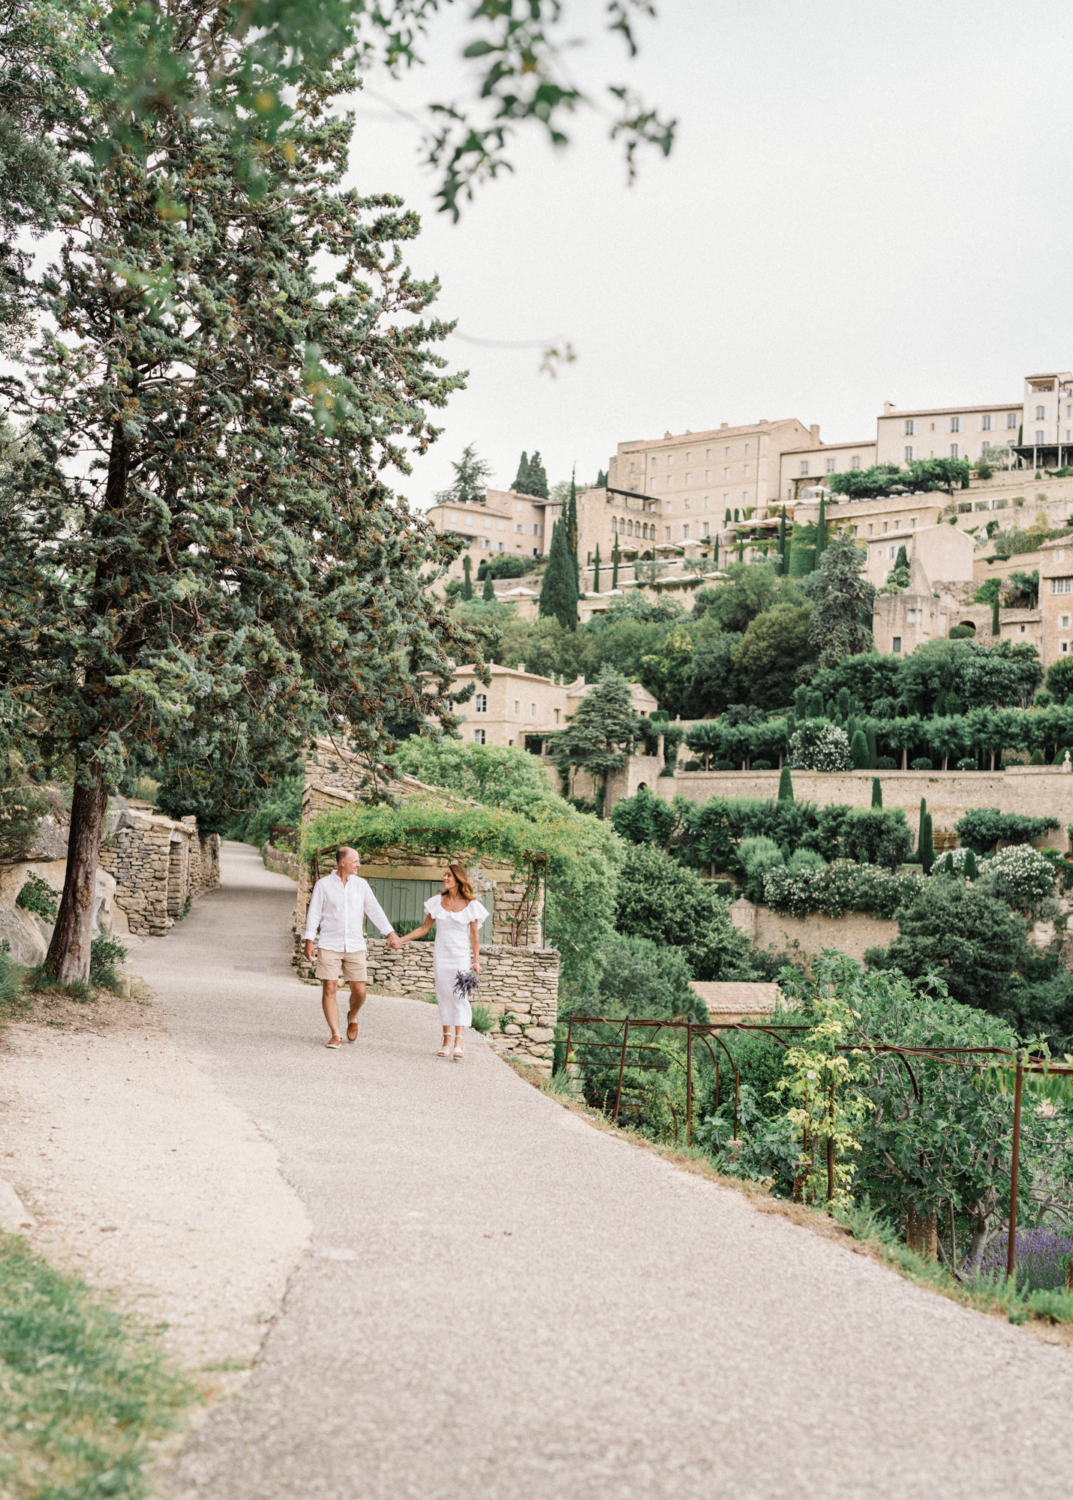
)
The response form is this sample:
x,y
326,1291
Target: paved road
x,y
503,1303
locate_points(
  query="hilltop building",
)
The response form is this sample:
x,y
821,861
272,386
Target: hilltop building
x,y
521,705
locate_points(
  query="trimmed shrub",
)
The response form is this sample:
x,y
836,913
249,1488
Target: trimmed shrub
x,y
841,887
761,765
968,764
1021,875
922,763
877,792
786,786
877,836
858,751
886,763
757,856
983,827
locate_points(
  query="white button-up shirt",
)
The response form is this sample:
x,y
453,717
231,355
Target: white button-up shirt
x,y
338,911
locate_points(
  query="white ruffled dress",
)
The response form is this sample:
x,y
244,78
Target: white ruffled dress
x,y
450,953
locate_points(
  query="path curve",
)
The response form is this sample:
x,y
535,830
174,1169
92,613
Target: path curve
x,y
502,1302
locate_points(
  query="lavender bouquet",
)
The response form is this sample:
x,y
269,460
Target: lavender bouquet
x,y
466,982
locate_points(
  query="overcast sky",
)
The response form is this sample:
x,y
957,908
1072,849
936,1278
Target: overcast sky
x,y
863,204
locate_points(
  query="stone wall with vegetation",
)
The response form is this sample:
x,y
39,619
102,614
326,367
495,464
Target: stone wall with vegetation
x,y
1035,791
807,937
519,986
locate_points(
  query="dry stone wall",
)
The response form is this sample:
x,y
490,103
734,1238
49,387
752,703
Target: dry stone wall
x,y
1036,791
160,865
519,986
807,937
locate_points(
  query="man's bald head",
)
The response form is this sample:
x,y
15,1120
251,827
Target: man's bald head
x,y
347,860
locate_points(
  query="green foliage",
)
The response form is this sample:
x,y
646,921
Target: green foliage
x,y
13,1000
840,622
278,806
645,819
866,484
858,751
661,900
481,1018
558,588
499,775
37,895
87,1392
503,565
786,785
981,828
925,847
1060,677
802,549
838,888
750,589
877,836
105,954
819,746
644,980
602,733
470,481
757,856
775,646
877,792
488,593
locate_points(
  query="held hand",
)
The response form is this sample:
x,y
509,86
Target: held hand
x,y
476,966
394,942
309,950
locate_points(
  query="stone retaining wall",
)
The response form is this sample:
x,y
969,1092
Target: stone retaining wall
x,y
809,936
282,861
160,865
519,986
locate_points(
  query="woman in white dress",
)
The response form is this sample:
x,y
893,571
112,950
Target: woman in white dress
x,y
458,916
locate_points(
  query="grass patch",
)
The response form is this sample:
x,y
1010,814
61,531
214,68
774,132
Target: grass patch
x,y
482,1018
104,955
87,1391
13,999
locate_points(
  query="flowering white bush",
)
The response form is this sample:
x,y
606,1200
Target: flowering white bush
x,y
1024,874
843,886
819,746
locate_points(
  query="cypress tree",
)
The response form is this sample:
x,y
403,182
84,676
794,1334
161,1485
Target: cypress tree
x,y
858,752
614,563
877,792
570,517
596,570
870,735
786,786
842,700
467,582
927,851
741,549
782,542
715,554
815,706
488,593
538,480
971,870
821,529
521,479
558,592
995,626
601,479
920,825
726,518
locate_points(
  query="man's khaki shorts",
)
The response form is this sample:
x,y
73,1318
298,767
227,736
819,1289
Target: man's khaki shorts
x,y
330,965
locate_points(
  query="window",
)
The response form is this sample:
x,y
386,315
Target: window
x,y
487,523
1022,630
707,476
686,504
726,475
908,455
896,645
685,533
1062,585
707,529
907,430
486,541
1041,437
746,471
891,554
897,525
747,449
689,479
517,706
502,525
666,533
480,703
1065,647
955,424
532,710
830,466
953,450
453,520
519,505
478,736
744,498
707,453
728,453
1041,414
1065,622
518,528
985,423
869,528
653,460
913,523
689,458
501,546
804,467
1011,419
886,525
855,462
536,528
629,528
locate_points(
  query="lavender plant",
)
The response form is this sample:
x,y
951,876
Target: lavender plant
x,y
1040,1258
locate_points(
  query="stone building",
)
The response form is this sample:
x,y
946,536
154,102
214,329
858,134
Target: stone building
x,y
160,865
903,436
504,522
518,705
801,470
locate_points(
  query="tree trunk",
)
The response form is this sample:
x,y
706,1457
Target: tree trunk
x,y
930,1226
905,757
68,953
914,1230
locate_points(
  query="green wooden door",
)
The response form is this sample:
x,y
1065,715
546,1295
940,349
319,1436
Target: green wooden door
x,y
404,903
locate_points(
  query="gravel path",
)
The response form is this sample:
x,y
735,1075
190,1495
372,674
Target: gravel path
x,y
503,1302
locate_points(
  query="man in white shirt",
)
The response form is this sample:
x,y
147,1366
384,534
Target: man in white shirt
x,y
338,907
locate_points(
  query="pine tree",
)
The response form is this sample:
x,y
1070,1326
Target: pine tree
x,y
602,733
614,563
877,792
840,596
601,480
467,582
558,590
596,570
233,570
786,785
488,593
538,480
470,482
521,479
821,529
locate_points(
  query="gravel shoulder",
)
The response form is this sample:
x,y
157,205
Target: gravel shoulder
x,y
138,1174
